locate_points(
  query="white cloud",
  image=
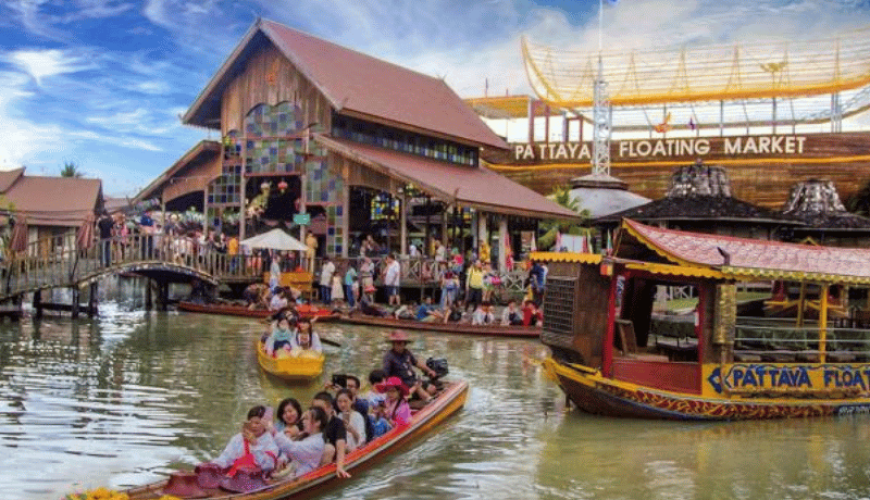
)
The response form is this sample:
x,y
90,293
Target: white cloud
x,y
41,64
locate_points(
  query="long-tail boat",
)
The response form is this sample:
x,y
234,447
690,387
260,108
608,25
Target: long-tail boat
x,y
448,401
305,311
457,328
618,349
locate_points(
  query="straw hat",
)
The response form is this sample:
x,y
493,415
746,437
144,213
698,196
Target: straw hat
x,y
398,336
393,382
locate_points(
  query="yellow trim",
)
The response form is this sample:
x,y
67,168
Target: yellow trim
x,y
583,258
671,163
688,271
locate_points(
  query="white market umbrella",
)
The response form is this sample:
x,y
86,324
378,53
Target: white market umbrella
x,y
275,239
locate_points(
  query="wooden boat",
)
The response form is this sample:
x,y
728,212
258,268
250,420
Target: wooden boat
x,y
305,311
450,400
303,367
458,328
616,352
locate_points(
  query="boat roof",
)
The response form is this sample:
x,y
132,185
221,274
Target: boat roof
x,y
681,253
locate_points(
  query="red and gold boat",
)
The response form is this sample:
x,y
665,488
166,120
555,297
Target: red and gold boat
x,y
457,328
656,329
304,310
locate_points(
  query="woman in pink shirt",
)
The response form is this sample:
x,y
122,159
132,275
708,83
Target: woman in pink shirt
x,y
397,410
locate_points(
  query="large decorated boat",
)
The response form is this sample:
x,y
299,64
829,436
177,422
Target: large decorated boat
x,y
658,329
457,328
322,315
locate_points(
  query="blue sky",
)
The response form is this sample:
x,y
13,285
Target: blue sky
x,y
102,82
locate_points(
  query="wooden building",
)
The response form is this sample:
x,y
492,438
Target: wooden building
x,y
319,129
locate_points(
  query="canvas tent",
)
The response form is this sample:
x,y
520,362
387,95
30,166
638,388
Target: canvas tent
x,y
275,239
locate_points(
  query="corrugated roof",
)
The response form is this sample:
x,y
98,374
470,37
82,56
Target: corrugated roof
x,y
54,201
755,258
470,186
355,83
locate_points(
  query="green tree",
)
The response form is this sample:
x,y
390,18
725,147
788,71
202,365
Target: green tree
x,y
859,202
562,196
70,169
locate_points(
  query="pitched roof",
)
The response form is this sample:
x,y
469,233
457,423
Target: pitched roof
x,y
8,177
356,84
476,187
700,207
54,201
751,257
204,148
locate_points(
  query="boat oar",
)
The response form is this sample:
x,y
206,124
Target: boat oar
x,y
330,342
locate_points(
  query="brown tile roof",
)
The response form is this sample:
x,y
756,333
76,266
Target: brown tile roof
x,y
360,85
480,188
54,201
202,149
698,208
750,254
8,177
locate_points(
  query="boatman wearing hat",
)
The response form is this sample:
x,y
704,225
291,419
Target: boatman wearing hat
x,y
400,362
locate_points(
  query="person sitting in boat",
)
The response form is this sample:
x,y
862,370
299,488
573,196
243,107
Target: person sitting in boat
x,y
279,299
483,315
400,362
455,313
335,433
406,311
253,295
428,313
289,418
252,447
282,336
396,408
354,421
373,395
306,339
368,308
532,316
511,314
306,450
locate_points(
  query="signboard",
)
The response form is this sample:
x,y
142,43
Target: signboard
x,y
784,377
302,219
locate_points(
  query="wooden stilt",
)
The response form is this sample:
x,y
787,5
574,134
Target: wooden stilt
x,y
93,296
149,299
75,302
37,303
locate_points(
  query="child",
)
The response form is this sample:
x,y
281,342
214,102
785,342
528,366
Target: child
x,y
281,336
396,408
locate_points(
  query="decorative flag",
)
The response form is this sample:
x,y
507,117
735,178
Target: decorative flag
x,y
533,245
609,243
692,125
585,245
558,241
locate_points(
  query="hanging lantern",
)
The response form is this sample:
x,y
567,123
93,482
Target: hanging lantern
x,y
282,185
265,186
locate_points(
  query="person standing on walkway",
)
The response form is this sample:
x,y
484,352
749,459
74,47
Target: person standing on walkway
x,y
105,225
327,269
474,286
350,278
392,277
311,253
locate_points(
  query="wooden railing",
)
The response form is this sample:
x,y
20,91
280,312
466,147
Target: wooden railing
x,y
57,261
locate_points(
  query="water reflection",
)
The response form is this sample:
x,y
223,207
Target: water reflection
x,y
126,398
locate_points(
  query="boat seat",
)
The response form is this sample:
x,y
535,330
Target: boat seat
x,y
745,357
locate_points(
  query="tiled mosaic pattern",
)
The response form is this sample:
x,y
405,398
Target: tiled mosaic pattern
x,y
273,153
225,189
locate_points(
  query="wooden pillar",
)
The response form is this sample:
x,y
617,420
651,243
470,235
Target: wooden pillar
x,y
427,244
345,221
149,300
531,114
444,227
75,302
243,189
92,299
162,295
800,305
823,323
403,225
475,233
482,228
502,243
37,303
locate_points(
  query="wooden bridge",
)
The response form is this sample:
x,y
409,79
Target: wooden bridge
x,y
59,262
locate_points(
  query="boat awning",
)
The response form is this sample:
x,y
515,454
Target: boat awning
x,y
478,188
749,259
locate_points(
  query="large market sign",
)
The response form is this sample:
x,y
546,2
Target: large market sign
x,y
745,146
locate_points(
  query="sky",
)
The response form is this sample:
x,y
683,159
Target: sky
x,y
102,83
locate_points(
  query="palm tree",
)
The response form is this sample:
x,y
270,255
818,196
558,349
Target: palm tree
x,y
562,196
70,169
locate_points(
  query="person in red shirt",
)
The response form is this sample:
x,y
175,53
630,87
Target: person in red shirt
x,y
532,316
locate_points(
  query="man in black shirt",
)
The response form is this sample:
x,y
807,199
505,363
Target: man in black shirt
x,y
105,225
399,362
335,433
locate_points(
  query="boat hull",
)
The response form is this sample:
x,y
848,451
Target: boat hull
x,y
457,328
449,402
302,368
593,393
322,315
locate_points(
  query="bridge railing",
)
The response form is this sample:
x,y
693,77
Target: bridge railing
x,y
59,261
